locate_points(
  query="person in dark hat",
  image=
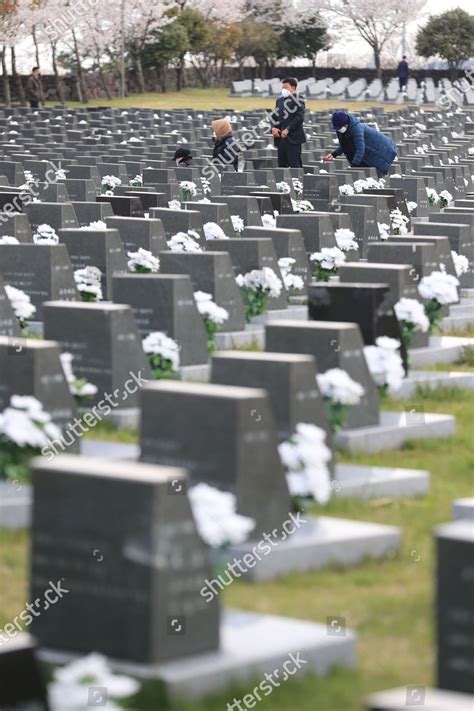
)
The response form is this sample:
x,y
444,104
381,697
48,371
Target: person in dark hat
x,y
362,145
287,125
183,158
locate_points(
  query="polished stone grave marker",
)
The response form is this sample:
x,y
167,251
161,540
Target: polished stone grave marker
x,y
23,686
137,233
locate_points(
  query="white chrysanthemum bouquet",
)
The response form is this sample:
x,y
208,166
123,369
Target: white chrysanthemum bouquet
x,y
213,316
163,354
340,392
257,287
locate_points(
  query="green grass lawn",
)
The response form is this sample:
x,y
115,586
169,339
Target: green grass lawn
x,y
389,604
208,99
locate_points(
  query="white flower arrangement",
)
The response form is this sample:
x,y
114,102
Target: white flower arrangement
x,y
45,234
70,688
206,186
345,239
95,225
433,197
445,199
461,263
163,354
214,316
216,517
143,262
60,174
214,231
257,287
174,205
136,182
327,262
302,206
268,220
438,289
21,305
24,430
412,317
283,187
88,282
6,239
237,224
411,206
346,189
188,189
30,180
385,364
80,388
292,282
297,186
384,230
184,242
109,183
399,222
340,392
368,184
305,457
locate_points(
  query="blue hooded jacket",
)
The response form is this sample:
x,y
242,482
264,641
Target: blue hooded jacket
x,y
364,144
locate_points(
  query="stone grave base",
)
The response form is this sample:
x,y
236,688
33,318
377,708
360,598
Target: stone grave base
x,y
109,450
251,645
394,429
123,418
319,542
463,508
421,697
15,505
253,335
442,349
298,299
433,380
363,482
196,373
295,313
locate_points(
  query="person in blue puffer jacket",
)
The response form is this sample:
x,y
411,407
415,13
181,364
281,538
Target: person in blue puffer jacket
x,y
362,145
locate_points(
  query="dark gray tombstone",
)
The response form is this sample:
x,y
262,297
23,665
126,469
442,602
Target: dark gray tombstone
x,y
442,247
245,206
175,221
124,205
137,233
96,248
317,229
32,367
180,421
44,272
23,685
9,324
281,202
289,379
364,223
217,212
87,212
334,345
16,225
56,214
380,202
249,253
165,302
212,273
104,341
454,606
80,190
415,191
152,561
320,190
287,243
460,239
421,255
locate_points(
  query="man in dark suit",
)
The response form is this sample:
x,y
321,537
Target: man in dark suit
x,y
287,125
402,72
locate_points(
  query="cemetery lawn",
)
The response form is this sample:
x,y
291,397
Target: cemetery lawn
x,y
389,604
208,99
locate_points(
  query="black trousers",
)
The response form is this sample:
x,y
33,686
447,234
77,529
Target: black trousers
x,y
402,81
289,154
34,104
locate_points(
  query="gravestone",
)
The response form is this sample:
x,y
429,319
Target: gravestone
x,y
334,345
317,229
32,367
420,255
442,248
288,378
364,223
287,243
23,685
217,212
175,221
460,239
96,248
380,202
165,302
320,190
247,254
212,273
137,233
454,606
245,206
124,205
87,212
57,215
226,437
105,343
148,199
16,225
126,549
281,202
415,191
42,271
80,190
9,324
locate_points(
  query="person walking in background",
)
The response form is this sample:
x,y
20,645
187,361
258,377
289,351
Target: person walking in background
x,y
402,72
287,125
362,145
226,150
34,91
182,157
